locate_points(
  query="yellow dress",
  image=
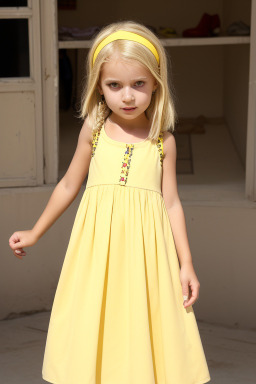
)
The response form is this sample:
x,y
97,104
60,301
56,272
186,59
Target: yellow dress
x,y
118,314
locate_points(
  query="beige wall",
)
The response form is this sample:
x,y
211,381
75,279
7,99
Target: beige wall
x,y
222,240
222,236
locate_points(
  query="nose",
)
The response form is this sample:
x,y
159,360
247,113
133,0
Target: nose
x,y
127,94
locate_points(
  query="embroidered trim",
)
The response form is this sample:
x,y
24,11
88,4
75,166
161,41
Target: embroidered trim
x,y
126,164
95,140
160,147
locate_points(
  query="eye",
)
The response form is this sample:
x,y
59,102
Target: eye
x,y
115,85
140,81
110,85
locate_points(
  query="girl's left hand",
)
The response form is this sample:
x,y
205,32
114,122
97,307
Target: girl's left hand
x,y
190,284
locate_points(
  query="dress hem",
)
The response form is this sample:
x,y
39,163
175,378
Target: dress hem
x,y
205,380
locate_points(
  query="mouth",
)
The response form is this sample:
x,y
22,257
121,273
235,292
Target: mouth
x,y
129,109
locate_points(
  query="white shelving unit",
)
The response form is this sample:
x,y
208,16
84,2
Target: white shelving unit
x,y
170,42
222,40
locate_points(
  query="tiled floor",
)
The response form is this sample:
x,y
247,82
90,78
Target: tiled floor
x,y
230,353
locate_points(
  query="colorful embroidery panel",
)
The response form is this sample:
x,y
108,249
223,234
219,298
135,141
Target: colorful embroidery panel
x,y
126,164
95,140
160,147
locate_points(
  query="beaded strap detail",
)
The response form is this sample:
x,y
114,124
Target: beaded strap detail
x,y
95,140
160,147
126,164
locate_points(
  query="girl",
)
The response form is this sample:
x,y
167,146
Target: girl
x,y
118,314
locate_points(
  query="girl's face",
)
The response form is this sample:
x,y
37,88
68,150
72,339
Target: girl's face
x,y
126,85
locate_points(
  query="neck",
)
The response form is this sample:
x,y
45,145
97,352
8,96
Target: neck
x,y
141,122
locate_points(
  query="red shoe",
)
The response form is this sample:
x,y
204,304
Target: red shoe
x,y
208,26
215,25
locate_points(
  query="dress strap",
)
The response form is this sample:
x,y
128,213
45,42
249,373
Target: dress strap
x,y
160,147
95,139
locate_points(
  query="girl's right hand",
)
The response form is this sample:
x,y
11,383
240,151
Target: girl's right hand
x,y
21,239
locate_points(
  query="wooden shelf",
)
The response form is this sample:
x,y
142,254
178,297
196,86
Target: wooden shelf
x,y
169,42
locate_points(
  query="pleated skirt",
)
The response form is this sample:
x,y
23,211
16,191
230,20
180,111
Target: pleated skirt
x,y
118,314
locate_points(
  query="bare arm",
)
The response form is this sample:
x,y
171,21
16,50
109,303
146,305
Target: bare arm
x,y
177,219
172,200
68,187
63,195
59,201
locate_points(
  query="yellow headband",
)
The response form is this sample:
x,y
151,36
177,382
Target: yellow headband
x,y
124,35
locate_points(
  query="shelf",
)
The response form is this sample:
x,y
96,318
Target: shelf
x,y
169,42
191,41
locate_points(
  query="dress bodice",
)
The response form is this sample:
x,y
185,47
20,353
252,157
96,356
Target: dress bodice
x,y
133,165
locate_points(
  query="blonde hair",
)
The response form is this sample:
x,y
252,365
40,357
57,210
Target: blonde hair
x,y
161,111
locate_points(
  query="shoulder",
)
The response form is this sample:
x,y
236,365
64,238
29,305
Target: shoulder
x,y
86,132
169,144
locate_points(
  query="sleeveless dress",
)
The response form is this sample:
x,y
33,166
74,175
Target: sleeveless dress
x,y
118,314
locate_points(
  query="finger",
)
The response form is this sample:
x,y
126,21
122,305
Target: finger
x,y
195,290
12,242
17,246
20,251
194,296
189,302
14,238
185,291
18,256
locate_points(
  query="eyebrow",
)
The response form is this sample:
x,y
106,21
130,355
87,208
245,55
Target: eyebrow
x,y
138,78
